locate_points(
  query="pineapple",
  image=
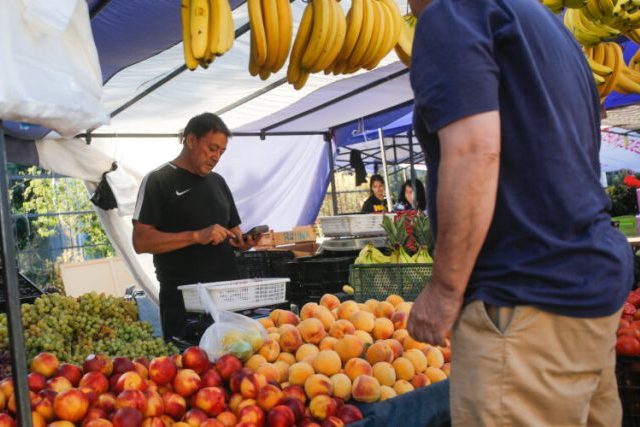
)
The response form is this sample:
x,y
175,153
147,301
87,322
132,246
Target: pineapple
x,y
396,238
424,239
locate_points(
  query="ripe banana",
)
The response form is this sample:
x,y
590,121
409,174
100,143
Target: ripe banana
x,y
379,33
258,35
185,13
355,17
272,32
364,38
322,16
395,23
285,26
302,39
199,26
221,31
339,29
405,40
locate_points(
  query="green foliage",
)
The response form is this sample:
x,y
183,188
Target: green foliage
x,y
623,200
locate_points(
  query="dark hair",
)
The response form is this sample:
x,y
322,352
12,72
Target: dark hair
x,y
204,123
419,197
373,179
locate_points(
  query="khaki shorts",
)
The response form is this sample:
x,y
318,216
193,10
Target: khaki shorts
x,y
525,367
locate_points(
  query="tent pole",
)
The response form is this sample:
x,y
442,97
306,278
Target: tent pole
x,y
383,156
413,169
10,279
332,175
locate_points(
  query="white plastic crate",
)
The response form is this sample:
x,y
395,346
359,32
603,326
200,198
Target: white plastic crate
x,y
237,294
353,225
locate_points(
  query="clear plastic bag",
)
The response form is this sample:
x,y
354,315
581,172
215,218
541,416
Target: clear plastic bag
x,y
231,333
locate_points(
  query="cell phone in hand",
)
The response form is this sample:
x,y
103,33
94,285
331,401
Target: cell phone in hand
x,y
259,229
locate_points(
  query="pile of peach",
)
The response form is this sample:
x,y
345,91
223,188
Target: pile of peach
x,y
180,391
348,350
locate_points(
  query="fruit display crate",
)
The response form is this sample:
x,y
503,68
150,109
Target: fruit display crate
x,y
28,292
378,281
253,264
237,295
628,376
353,225
315,276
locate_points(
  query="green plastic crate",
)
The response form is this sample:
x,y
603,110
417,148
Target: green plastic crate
x,y
378,281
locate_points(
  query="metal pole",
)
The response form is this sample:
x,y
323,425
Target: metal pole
x,y
383,156
413,171
10,278
334,199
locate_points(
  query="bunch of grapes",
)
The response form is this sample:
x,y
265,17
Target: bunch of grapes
x,y
73,328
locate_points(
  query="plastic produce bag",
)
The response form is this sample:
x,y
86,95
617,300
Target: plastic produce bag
x,y
231,333
50,73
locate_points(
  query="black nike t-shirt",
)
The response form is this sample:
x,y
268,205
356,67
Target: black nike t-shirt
x,y
173,200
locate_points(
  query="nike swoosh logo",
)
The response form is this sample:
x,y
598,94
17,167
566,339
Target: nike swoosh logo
x,y
180,193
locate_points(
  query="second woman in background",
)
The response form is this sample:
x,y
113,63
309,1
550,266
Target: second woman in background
x,y
407,200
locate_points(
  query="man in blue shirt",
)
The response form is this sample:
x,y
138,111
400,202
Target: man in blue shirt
x,y
529,274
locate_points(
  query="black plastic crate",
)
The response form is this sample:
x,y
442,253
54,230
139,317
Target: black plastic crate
x,y
378,281
315,276
257,264
28,292
628,375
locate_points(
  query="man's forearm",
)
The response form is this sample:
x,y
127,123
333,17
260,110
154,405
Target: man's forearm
x,y
467,187
158,242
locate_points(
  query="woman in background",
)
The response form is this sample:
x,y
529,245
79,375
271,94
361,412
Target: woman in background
x,y
376,202
408,201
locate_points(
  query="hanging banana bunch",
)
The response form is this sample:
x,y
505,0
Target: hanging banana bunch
x,y
271,32
405,41
207,31
611,72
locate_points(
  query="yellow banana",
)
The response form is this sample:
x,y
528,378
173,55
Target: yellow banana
x,y
318,63
396,23
599,53
555,6
574,4
599,69
215,26
285,25
599,80
264,73
627,85
382,51
256,23
221,31
354,24
339,27
614,60
322,17
199,23
378,34
593,9
302,80
405,40
366,33
607,7
633,35
185,11
272,32
254,68
300,43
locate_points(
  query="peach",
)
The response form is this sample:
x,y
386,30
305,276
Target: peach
x,y
131,399
371,303
196,359
37,420
349,414
420,380
281,416
234,402
141,370
383,309
168,421
290,338
227,418
365,307
387,392
210,400
295,392
340,328
71,372
402,387
299,372
305,351
366,389
211,378
333,421
98,422
284,317
269,371
6,386
251,414
162,370
323,314
409,343
7,421
404,369
417,358
179,424
211,422
45,363
327,362
400,320
44,407
122,365
341,386
308,310
446,368
270,350
334,313
347,309
395,346
328,343
404,307
273,330
153,422
177,359
362,321
365,337
282,368
379,352
266,322
384,373
106,402
435,358
288,358
269,396
236,379
356,367
400,334
53,424
127,417
318,384
71,405
275,336
195,417
251,384
330,301
296,406
255,361
186,382
446,353
227,365
130,381
312,330
382,328
435,374
59,384
394,299
174,405
348,347
323,406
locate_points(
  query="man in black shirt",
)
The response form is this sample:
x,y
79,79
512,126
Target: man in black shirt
x,y
186,217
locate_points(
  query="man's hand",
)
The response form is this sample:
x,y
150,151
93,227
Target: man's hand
x,y
245,244
214,235
433,314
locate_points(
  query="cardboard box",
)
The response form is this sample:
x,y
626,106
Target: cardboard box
x,y
305,233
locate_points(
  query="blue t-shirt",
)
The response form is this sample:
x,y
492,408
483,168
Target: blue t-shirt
x,y
550,243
